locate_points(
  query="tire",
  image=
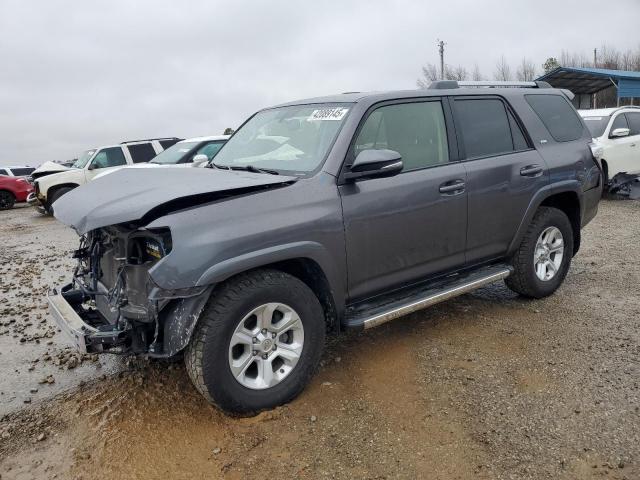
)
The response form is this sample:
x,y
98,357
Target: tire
x,y
525,280
7,200
208,356
55,196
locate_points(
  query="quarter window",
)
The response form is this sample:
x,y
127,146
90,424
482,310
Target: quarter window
x,y
634,123
486,128
168,143
109,157
415,130
141,152
558,116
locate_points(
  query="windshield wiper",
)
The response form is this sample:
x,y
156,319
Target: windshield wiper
x,y
245,168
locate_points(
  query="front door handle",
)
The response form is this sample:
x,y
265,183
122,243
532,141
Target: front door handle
x,y
531,171
453,187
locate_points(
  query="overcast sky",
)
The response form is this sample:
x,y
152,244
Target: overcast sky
x,y
75,75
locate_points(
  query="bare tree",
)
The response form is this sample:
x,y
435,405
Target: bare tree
x,y
568,59
429,74
476,75
526,71
608,57
503,70
455,73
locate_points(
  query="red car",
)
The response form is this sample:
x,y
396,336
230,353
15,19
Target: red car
x,y
12,190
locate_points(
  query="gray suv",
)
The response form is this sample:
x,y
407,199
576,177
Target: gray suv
x,y
333,213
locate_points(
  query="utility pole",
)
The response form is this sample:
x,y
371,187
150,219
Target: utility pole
x,y
595,65
441,45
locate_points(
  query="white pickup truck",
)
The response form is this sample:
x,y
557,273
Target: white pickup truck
x,y
52,180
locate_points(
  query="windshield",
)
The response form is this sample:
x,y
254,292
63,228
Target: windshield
x,y
293,139
175,153
596,125
83,159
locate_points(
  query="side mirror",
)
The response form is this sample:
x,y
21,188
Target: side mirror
x,y
375,164
199,159
619,132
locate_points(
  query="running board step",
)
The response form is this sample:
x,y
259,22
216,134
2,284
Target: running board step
x,y
374,312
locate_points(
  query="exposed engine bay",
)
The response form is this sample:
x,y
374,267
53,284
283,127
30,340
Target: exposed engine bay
x,y
113,292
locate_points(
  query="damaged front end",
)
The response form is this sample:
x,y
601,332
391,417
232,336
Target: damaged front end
x,y
113,305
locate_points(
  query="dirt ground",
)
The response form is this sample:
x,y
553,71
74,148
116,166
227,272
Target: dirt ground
x,y
486,386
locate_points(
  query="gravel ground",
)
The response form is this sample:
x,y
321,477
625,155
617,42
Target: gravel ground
x,y
486,386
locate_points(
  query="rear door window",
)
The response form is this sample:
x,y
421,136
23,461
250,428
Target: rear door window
x,y
141,152
485,127
558,116
210,149
22,172
634,123
3,171
415,130
109,157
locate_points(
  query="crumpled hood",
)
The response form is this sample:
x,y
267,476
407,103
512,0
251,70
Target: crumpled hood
x,y
47,168
132,194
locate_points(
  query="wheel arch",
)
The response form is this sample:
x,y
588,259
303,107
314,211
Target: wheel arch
x,y
54,188
310,261
564,197
181,318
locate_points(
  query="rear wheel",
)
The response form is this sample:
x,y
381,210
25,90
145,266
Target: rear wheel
x,y
257,343
542,261
7,200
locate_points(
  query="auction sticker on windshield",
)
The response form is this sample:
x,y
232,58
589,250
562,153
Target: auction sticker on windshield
x,y
336,113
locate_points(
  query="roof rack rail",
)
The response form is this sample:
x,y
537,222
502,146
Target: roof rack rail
x,y
449,84
150,139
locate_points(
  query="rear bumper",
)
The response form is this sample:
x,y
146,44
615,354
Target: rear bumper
x,y
23,195
591,199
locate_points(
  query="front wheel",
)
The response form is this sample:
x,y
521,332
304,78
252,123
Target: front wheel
x,y
542,261
7,200
257,343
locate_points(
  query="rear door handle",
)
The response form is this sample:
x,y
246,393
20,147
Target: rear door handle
x,y
453,187
531,171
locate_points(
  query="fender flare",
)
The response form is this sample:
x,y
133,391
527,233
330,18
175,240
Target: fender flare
x,y
566,186
278,253
182,318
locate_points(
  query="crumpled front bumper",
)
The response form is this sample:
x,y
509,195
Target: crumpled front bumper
x,y
69,321
87,338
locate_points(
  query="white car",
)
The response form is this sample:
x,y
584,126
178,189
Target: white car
x,y
192,152
16,171
53,180
617,132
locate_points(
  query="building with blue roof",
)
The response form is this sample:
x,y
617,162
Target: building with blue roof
x,y
586,82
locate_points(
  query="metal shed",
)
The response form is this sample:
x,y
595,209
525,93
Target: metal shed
x,y
584,82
